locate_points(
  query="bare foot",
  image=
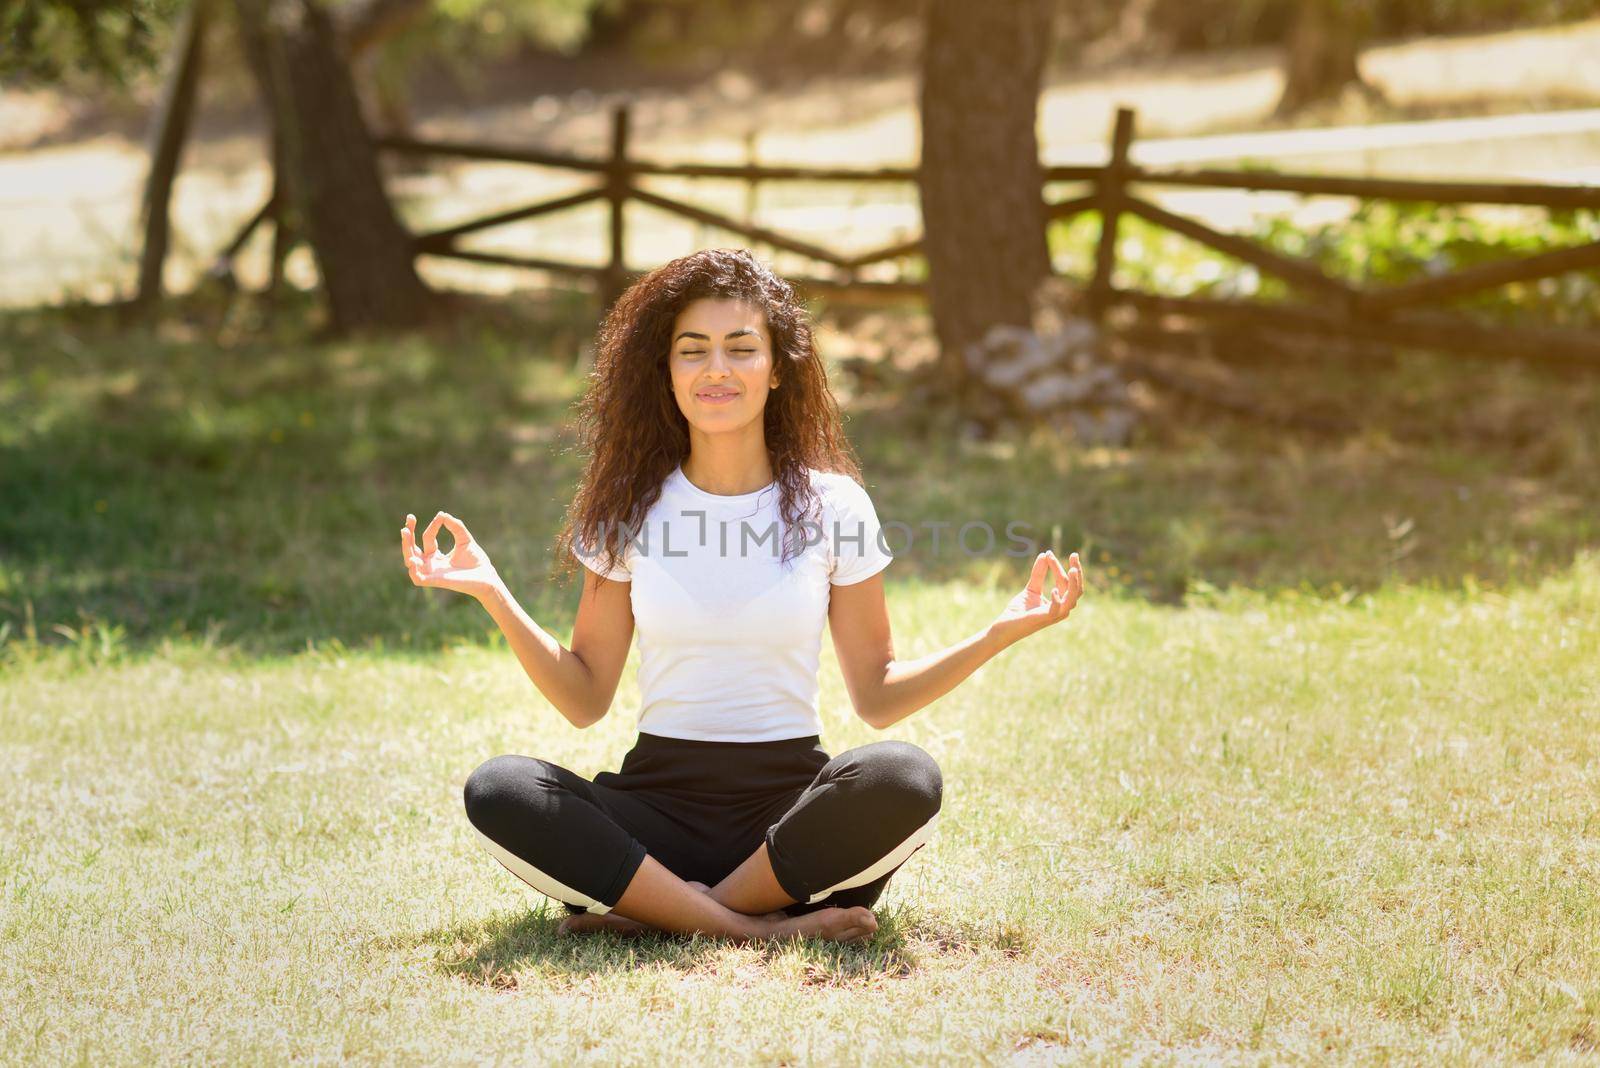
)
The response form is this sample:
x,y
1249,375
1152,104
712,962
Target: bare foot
x,y
589,923
830,925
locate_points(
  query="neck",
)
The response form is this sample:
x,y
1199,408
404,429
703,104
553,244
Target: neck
x,y
728,468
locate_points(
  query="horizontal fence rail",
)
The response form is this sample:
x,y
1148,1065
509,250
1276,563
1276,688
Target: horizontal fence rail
x,y
1336,306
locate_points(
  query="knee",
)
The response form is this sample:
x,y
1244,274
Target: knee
x,y
902,778
499,786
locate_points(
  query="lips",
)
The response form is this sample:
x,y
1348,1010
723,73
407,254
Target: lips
x,y
716,396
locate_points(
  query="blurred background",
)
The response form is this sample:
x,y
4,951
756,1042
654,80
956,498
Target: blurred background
x,y
1282,296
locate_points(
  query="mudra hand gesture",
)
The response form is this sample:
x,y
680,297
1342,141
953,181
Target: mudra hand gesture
x,y
465,568
1033,609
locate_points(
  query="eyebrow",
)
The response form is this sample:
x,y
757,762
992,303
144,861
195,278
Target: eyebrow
x,y
742,331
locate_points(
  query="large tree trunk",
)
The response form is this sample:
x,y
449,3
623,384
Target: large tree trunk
x,y
982,192
1319,57
362,252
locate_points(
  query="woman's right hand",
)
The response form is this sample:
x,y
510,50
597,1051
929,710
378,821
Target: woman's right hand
x,y
465,569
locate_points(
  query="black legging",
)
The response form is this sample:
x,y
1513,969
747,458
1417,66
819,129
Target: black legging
x,y
835,830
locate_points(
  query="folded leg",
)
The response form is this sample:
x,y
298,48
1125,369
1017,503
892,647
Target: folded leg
x,y
554,830
866,812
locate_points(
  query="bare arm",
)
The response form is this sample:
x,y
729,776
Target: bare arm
x,y
581,681
884,690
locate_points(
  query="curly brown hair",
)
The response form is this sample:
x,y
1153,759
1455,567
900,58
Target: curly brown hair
x,y
634,434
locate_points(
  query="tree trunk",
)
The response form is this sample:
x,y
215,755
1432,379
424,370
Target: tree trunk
x,y
1319,58
167,136
981,183
362,252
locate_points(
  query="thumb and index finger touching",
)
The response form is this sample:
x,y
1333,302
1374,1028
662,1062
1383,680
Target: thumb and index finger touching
x,y
457,529
430,538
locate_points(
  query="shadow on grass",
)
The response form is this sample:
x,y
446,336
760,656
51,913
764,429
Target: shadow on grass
x,y
517,950
175,483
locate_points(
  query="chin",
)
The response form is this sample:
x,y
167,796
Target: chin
x,y
723,424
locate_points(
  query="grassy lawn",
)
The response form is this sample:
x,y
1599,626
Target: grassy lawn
x,y
1312,773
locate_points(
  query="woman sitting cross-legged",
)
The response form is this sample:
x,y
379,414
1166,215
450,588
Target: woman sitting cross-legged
x,y
720,513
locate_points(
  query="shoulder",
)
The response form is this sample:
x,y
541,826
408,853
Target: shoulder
x,y
833,482
843,499
839,488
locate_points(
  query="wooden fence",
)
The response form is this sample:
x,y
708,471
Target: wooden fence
x,y
1325,304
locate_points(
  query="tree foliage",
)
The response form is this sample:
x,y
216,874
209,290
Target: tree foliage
x,y
48,40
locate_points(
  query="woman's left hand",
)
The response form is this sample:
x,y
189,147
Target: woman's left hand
x,y
1033,609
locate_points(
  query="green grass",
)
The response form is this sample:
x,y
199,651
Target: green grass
x,y
1294,784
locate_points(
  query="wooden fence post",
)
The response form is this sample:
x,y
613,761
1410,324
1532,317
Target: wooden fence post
x,y
618,186
282,238
752,183
1110,193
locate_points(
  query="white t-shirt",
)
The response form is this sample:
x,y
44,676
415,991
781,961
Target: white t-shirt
x,y
728,639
